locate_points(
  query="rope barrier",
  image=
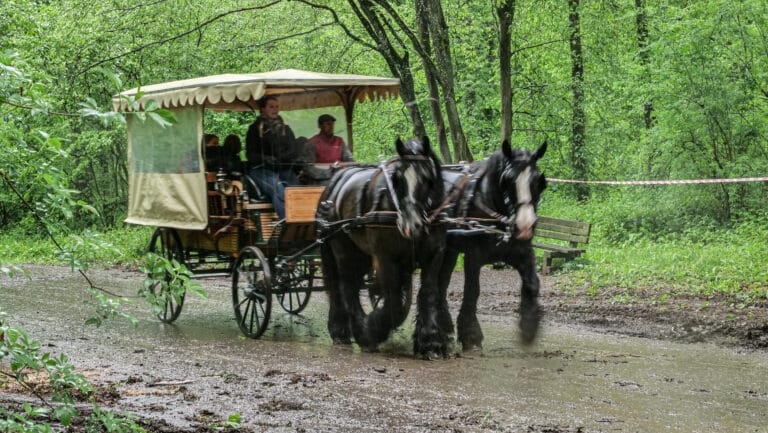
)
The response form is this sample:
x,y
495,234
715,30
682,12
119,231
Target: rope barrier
x,y
660,182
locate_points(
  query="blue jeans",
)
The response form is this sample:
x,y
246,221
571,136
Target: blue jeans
x,y
272,182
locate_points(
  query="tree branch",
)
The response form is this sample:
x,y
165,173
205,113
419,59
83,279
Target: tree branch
x,y
283,38
336,20
178,36
28,387
28,107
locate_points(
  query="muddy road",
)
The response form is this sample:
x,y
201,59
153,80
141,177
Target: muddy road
x,y
577,377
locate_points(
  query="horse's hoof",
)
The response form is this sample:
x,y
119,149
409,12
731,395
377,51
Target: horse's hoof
x,y
528,335
369,349
472,348
431,356
529,325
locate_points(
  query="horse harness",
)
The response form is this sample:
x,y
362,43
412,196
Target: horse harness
x,y
464,195
368,215
453,210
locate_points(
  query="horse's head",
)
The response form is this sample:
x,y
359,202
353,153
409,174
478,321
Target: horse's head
x,y
520,185
418,185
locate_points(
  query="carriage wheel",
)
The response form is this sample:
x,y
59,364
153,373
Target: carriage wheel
x,y
296,281
166,242
252,292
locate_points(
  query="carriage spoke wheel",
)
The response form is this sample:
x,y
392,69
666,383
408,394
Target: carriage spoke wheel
x,y
166,242
296,280
252,292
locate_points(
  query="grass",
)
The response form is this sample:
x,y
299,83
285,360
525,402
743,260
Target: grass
x,y
696,257
702,260
121,246
730,266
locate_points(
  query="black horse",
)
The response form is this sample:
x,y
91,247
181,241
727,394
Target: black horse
x,y
379,221
492,207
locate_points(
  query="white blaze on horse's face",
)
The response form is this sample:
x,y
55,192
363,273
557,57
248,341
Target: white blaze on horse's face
x,y
411,179
409,221
526,214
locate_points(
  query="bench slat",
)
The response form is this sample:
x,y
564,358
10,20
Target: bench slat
x,y
575,227
549,234
558,248
562,222
564,230
574,232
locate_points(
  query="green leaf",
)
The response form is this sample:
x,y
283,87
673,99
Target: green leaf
x,y
159,118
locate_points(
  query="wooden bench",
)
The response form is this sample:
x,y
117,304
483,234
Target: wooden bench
x,y
575,233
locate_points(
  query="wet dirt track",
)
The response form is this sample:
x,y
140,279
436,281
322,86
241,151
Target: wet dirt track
x,y
200,370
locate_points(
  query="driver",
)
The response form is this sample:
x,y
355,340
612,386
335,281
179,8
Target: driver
x,y
272,151
325,147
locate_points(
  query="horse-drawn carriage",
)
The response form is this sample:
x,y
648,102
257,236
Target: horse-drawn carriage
x,y
218,224
382,221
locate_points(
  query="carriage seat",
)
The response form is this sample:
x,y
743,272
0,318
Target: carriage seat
x,y
255,195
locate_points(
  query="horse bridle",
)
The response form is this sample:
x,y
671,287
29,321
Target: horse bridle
x,y
464,195
388,176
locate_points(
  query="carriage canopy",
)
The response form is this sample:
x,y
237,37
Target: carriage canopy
x,y
167,182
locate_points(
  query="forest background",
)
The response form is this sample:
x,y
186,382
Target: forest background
x,y
620,89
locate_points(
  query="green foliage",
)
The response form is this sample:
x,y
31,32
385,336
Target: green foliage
x,y
166,280
11,270
107,307
120,246
702,69
233,422
638,249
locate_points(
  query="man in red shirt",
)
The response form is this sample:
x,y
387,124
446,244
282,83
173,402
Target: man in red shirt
x,y
324,148
329,148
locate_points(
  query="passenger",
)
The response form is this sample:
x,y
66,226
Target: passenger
x,y
272,151
232,162
213,153
325,148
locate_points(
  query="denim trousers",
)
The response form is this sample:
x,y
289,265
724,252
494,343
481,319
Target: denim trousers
x,y
272,182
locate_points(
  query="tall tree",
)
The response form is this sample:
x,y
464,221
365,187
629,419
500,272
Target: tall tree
x,y
434,92
641,20
384,25
578,116
379,29
439,32
505,11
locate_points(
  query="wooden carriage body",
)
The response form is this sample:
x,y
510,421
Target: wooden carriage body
x,y
210,224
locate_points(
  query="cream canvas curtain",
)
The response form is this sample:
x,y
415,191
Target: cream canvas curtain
x,y
166,179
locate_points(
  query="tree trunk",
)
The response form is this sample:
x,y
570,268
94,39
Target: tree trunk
x,y
439,31
506,14
578,158
398,64
434,92
642,46
377,29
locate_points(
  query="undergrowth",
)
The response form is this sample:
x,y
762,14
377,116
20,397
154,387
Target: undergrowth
x,y
631,247
638,249
120,246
